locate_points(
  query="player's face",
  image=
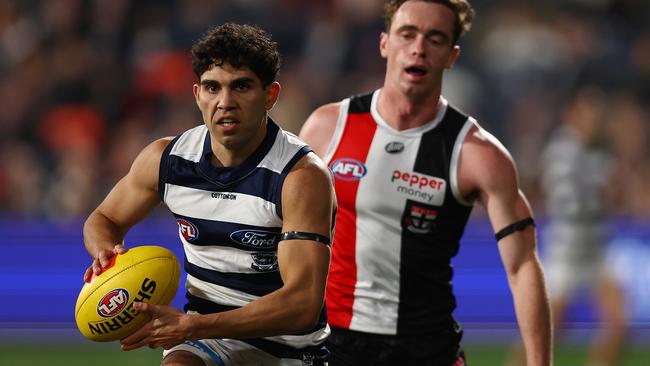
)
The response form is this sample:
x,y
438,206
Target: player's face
x,y
234,105
418,47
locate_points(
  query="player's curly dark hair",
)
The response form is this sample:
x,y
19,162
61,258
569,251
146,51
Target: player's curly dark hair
x,y
461,8
238,45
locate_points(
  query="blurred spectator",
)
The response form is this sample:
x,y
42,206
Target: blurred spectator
x,y
627,125
21,181
576,171
125,61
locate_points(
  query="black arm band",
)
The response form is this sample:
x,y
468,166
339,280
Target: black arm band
x,y
300,235
517,226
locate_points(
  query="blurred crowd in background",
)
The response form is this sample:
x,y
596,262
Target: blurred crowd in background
x,y
86,84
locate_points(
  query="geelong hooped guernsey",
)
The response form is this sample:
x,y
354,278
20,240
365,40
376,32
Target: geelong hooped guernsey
x,y
229,221
399,220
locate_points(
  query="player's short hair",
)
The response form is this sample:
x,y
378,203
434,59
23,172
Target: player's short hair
x,y
461,8
239,45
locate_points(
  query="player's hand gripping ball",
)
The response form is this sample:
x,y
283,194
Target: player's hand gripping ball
x,y
104,309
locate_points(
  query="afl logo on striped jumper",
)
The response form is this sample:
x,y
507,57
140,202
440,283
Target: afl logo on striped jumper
x,y
348,169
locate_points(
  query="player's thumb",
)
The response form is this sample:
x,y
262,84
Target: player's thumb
x,y
143,307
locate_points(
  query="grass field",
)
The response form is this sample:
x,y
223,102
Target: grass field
x,y
102,354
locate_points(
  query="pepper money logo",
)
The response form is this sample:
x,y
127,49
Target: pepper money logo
x,y
419,187
348,169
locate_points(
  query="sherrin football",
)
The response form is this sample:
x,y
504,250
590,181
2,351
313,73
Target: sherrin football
x,y
104,309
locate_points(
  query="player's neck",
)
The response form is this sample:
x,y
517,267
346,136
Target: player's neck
x,y
230,156
404,112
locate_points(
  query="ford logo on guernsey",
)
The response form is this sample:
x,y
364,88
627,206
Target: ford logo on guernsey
x,y
187,229
348,169
113,303
255,238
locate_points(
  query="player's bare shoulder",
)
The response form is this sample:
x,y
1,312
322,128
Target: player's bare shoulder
x,y
484,164
308,199
320,126
146,166
310,169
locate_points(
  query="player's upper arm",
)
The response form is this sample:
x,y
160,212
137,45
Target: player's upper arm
x,y
488,173
308,204
308,199
319,128
136,194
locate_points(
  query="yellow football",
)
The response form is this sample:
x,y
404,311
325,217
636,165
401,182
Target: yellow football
x,y
104,309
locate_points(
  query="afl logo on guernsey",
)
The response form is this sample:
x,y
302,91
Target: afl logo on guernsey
x,y
348,169
187,229
113,303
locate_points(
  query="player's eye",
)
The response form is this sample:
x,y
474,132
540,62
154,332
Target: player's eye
x,y
437,40
407,35
211,87
241,86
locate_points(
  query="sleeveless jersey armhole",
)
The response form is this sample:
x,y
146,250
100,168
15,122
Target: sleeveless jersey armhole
x,y
338,132
164,168
296,157
455,156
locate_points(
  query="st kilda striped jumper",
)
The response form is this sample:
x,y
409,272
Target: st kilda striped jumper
x,y
399,221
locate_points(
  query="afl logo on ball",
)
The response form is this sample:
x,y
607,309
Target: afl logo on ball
x,y
348,169
187,229
394,147
113,303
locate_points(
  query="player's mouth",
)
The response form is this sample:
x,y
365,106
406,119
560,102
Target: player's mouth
x,y
227,124
416,71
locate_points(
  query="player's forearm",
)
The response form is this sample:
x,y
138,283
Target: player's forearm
x,y
280,312
533,313
100,233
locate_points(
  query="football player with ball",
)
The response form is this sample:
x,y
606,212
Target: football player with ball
x,y
254,207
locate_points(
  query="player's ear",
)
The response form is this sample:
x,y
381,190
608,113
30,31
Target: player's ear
x,y
272,95
383,38
195,90
453,56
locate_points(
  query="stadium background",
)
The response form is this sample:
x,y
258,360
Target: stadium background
x,y
85,84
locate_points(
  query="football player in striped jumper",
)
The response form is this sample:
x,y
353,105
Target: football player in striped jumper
x,y
408,167
254,208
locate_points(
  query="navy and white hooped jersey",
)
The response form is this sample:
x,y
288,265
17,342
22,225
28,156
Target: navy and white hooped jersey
x,y
230,221
399,221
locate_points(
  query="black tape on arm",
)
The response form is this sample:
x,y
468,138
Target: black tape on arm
x,y
517,226
300,235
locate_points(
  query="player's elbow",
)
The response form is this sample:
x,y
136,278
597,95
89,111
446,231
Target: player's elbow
x,y
306,316
307,320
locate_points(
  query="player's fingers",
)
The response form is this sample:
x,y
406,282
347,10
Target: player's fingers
x,y
131,346
119,249
104,259
97,267
137,339
88,274
156,311
143,307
